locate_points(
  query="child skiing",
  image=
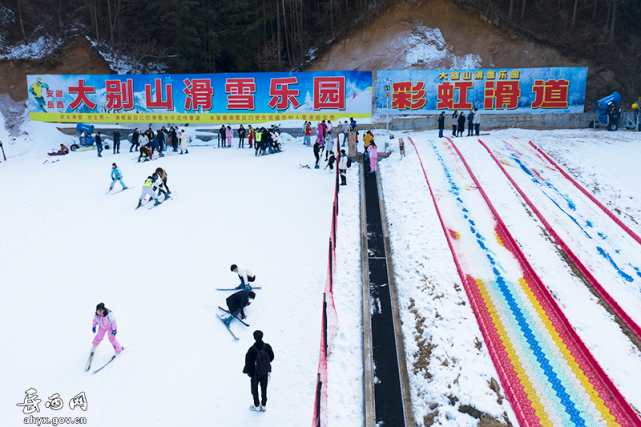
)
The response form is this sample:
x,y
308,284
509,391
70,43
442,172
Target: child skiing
x,y
148,189
106,322
116,175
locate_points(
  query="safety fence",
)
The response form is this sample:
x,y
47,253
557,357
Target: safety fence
x,y
329,321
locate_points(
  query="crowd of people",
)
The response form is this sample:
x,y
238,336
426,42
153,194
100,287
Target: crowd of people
x,y
473,120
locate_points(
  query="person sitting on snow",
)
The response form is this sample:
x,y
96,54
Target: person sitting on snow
x,y
63,150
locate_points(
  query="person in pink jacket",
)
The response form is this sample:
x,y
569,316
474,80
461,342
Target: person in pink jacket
x,y
373,155
320,132
106,322
230,133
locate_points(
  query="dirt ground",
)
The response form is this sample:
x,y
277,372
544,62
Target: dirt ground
x,y
397,39
78,58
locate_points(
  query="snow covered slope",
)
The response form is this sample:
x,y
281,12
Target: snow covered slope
x,y
65,246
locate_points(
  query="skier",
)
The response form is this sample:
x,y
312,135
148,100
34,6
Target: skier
x,y
342,167
230,134
183,142
245,274
259,137
116,175
145,149
154,143
36,90
241,137
257,367
163,177
373,156
317,154
98,140
441,124
236,304
134,141
106,322
116,137
148,189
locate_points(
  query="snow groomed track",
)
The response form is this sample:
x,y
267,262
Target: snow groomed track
x,y
548,374
607,252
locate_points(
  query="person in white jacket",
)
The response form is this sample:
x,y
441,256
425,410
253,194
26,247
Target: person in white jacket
x,y
245,274
477,121
183,142
342,167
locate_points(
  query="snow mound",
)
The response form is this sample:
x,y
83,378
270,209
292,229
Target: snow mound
x,y
38,49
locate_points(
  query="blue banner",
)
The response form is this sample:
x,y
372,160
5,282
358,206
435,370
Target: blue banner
x,y
204,98
503,90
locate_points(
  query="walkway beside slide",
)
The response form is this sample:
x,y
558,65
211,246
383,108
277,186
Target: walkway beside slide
x,y
548,374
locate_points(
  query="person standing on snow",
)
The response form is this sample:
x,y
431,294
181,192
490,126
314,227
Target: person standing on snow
x,y
345,130
257,367
441,124
342,167
241,137
236,304
244,274
106,322
184,142
329,145
116,175
252,135
319,135
470,123
307,132
259,137
229,133
98,140
373,156
148,189
116,136
454,122
477,121
134,141
461,124
317,153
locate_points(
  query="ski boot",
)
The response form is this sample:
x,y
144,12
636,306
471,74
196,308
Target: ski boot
x,y
181,151
139,204
157,202
316,167
186,151
228,320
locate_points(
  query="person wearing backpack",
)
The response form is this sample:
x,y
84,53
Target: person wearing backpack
x,y
257,367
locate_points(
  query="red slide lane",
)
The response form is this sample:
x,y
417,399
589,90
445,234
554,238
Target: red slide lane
x,y
509,394
590,196
634,327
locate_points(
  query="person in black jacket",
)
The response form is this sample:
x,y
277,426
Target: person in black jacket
x,y
441,124
461,124
237,302
470,123
116,142
317,153
241,137
134,140
98,140
222,136
174,139
454,122
249,369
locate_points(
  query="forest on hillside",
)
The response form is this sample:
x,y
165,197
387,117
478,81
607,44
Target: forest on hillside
x,y
203,36
193,35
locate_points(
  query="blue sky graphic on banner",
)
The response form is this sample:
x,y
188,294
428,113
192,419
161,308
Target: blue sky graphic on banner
x,y
502,90
305,93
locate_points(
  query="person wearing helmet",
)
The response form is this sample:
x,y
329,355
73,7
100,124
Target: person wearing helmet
x,y
149,189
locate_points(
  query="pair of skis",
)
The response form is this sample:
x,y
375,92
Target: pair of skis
x,y
227,326
103,366
119,191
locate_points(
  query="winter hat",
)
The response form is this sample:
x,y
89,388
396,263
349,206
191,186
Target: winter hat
x,y
258,335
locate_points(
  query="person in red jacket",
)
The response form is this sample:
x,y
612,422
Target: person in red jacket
x,y
307,129
252,135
